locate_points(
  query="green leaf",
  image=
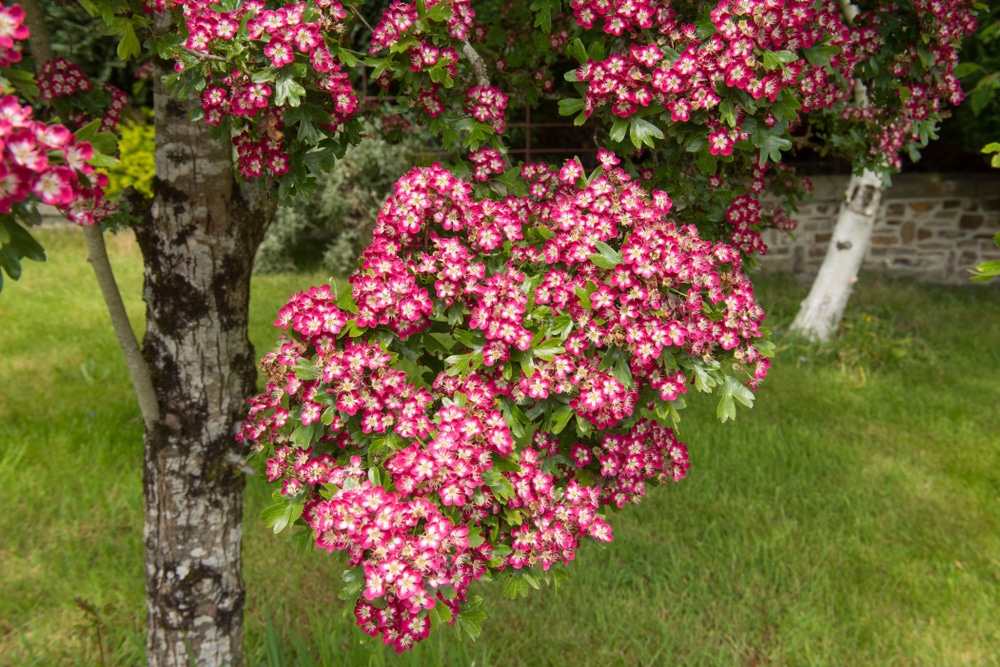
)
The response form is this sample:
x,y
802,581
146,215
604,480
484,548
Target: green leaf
x,y
128,47
354,583
471,339
786,107
24,81
512,180
964,69
704,380
105,142
819,56
570,106
766,348
499,484
596,50
771,145
476,538
288,91
502,464
733,389
515,417
577,50
89,131
307,370
438,13
266,75
670,54
985,271
544,10
22,240
469,620
618,130
546,351
280,516
707,162
775,59
727,111
704,29
102,160
440,615
559,419
643,133
10,262
561,326
346,57
304,436
606,256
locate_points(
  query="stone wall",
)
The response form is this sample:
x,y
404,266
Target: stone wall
x,y
935,227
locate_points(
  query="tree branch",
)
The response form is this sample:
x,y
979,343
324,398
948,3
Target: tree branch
x,y
138,370
362,19
38,35
478,65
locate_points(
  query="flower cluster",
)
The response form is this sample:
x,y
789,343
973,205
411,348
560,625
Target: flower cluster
x,y
47,162
43,160
487,105
12,31
581,304
61,78
796,55
275,38
487,162
432,41
944,23
687,79
401,18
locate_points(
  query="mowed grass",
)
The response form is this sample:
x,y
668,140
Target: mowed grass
x,y
851,518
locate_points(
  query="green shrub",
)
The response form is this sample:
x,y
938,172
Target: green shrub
x,y
331,228
136,166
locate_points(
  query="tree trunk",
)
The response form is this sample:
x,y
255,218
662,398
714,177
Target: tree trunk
x,y
198,242
821,311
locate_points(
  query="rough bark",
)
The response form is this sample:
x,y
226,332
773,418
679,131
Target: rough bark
x,y
198,243
821,311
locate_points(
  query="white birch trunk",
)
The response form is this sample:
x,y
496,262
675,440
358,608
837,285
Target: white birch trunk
x,y
198,242
821,311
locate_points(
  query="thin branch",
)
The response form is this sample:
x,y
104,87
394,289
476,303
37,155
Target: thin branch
x,y
362,19
138,370
478,65
203,56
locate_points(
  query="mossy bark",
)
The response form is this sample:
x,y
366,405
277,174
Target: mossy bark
x,y
198,241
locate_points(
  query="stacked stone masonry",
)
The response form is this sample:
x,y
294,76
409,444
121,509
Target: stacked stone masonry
x,y
934,227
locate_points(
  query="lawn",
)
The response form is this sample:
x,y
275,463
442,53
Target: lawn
x,y
851,518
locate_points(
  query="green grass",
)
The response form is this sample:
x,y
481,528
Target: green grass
x,y
851,518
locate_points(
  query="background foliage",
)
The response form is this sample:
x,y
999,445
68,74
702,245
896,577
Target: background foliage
x,y
330,228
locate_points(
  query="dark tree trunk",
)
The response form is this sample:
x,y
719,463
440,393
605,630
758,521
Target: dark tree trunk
x,y
198,242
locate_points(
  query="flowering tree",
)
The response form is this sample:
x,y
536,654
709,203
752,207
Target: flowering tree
x,y
518,339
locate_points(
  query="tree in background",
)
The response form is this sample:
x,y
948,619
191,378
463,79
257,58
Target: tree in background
x,y
518,339
911,82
